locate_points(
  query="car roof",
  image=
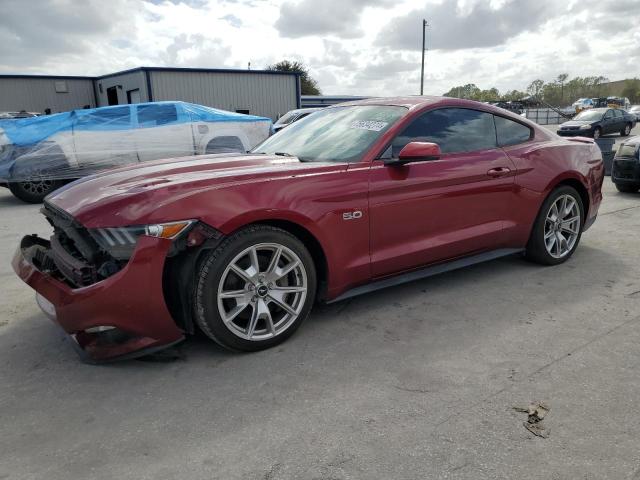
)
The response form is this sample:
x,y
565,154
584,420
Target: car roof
x,y
633,140
408,101
304,110
418,102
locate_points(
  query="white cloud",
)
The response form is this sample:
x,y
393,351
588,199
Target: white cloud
x,y
354,47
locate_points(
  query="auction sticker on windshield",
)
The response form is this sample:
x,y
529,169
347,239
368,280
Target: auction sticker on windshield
x,y
368,125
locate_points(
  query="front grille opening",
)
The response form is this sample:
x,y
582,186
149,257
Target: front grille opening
x,y
76,255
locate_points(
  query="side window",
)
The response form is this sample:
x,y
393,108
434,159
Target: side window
x,y
119,117
453,129
618,113
156,115
608,115
510,132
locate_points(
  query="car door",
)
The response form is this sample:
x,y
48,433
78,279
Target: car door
x,y
618,115
430,211
163,131
103,138
609,122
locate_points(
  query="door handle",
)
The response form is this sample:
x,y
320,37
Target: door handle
x,y
499,172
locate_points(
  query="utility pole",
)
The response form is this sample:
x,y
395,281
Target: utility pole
x,y
424,27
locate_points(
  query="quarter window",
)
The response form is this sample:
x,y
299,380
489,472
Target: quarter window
x,y
510,132
453,129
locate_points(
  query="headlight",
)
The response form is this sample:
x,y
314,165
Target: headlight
x,y
585,127
120,242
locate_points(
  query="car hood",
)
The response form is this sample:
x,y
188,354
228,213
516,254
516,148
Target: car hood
x,y
131,195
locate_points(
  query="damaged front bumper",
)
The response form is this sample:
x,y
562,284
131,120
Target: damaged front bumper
x,y
122,316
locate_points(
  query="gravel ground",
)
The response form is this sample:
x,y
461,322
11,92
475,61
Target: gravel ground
x,y
417,381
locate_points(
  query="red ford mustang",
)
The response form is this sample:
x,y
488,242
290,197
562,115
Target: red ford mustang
x,y
351,199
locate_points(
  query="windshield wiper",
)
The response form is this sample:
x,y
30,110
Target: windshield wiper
x,y
288,155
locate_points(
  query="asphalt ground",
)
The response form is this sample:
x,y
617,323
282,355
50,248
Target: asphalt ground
x,y
416,381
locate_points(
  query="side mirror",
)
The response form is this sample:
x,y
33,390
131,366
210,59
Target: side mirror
x,y
416,152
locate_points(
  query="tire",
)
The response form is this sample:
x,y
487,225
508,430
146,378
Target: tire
x,y
626,130
35,170
34,191
597,133
546,232
247,327
627,188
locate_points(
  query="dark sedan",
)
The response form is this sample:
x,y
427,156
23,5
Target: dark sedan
x,y
598,121
625,172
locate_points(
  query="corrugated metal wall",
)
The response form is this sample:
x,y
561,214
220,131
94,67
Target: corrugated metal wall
x,y
37,94
128,81
262,94
269,95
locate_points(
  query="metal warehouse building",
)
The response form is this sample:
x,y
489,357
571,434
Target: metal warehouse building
x,y
258,92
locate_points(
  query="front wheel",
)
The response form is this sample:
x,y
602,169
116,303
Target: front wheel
x,y
35,190
557,230
255,289
596,133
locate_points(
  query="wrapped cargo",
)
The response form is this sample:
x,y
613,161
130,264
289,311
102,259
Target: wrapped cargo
x,y
39,154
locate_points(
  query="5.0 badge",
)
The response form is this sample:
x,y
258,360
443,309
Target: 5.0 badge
x,y
352,215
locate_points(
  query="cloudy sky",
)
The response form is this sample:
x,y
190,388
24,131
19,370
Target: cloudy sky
x,y
367,47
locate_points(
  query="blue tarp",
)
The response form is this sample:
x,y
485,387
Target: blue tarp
x,y
30,131
81,142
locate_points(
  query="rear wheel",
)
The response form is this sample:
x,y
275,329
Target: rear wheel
x,y
557,230
255,289
626,130
627,188
34,190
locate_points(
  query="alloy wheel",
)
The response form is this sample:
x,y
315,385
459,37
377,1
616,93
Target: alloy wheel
x,y
627,129
37,187
562,226
262,291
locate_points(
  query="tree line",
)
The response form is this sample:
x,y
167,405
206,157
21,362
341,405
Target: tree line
x,y
560,92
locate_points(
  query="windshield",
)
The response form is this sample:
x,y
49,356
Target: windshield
x,y
589,115
337,134
635,108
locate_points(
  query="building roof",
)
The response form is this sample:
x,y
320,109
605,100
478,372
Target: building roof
x,y
151,69
50,77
